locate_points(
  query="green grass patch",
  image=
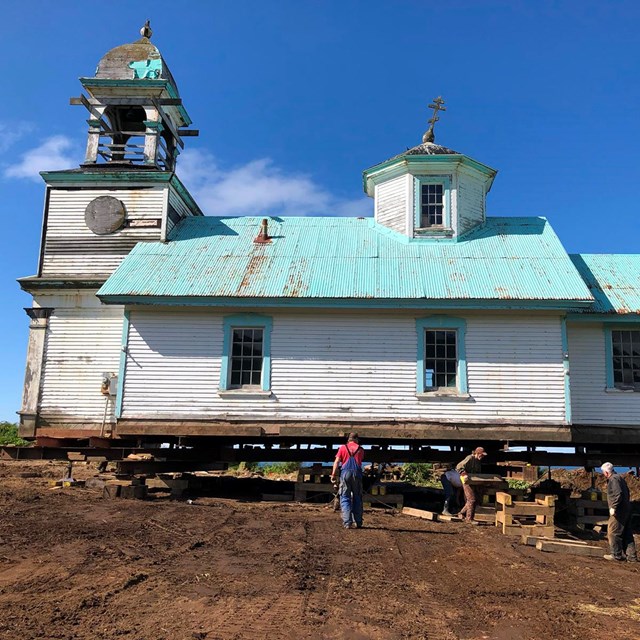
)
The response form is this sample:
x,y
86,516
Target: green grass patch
x,y
419,473
281,468
9,435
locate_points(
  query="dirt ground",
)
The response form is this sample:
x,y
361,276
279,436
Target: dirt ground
x,y
76,566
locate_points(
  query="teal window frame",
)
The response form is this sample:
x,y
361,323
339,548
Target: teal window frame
x,y
439,323
246,321
418,181
608,353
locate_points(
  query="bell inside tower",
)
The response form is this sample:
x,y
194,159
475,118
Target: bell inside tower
x,y
136,117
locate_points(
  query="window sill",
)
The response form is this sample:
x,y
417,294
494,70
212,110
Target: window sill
x,y
616,390
429,396
422,232
244,394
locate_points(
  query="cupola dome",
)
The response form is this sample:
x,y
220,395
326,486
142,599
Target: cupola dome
x,y
139,60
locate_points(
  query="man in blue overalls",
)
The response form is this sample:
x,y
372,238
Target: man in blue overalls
x,y
350,457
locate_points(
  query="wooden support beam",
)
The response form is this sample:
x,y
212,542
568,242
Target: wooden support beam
x,y
167,121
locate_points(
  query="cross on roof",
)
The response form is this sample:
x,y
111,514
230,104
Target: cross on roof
x,y
436,105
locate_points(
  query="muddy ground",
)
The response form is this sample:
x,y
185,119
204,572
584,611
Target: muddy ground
x,y
76,566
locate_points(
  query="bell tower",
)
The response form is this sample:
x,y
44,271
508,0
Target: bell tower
x,y
136,118
125,192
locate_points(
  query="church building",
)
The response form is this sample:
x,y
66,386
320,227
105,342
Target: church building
x,y
430,321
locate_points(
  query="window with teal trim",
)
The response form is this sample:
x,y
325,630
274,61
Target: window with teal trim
x,y
441,358
432,203
625,362
246,357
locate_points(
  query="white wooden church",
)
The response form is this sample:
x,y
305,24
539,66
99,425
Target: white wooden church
x,y
431,320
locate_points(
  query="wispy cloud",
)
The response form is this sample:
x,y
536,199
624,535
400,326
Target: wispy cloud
x,y
53,153
10,133
259,187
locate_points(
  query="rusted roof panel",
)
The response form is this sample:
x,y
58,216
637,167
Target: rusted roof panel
x,y
613,279
349,258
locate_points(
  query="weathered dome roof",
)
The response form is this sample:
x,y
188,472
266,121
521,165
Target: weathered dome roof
x,y
136,61
426,149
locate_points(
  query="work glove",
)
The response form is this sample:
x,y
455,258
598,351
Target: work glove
x,y
612,512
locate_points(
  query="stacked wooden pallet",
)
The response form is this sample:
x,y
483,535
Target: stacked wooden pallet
x,y
589,510
531,518
313,482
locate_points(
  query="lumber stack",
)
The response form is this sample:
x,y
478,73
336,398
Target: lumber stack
x,y
589,510
532,518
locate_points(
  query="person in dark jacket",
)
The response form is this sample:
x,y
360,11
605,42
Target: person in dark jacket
x,y
623,546
471,464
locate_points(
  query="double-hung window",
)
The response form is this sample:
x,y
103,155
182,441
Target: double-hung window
x,y
623,366
441,360
246,353
432,207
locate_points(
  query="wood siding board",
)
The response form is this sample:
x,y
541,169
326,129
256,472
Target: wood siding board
x,y
82,342
334,366
70,248
590,401
470,202
391,204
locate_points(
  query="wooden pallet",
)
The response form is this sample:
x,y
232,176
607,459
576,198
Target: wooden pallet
x,y
317,474
531,518
589,513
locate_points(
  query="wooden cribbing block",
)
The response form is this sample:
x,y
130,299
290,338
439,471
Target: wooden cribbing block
x,y
111,491
572,549
444,518
419,513
541,531
547,501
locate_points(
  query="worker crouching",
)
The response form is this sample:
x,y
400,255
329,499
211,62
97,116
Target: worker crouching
x,y
349,458
471,464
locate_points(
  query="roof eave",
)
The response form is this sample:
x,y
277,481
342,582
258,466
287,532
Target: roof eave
x,y
373,174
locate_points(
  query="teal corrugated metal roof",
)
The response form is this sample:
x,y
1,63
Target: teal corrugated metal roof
x,y
613,279
349,258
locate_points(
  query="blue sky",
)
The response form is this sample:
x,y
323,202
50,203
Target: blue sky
x,y
300,97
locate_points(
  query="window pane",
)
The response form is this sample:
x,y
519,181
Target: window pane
x,y
440,358
246,357
626,358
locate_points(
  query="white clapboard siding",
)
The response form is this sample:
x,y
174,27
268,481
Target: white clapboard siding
x,y
590,402
81,344
470,197
336,365
71,248
391,204
178,207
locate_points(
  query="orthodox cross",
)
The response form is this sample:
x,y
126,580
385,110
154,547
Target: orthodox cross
x,y
436,105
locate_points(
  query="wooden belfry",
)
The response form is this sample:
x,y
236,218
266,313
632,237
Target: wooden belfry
x,y
135,111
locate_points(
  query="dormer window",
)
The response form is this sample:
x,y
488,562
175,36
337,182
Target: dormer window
x,y
432,203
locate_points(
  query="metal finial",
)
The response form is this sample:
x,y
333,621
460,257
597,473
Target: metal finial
x,y
146,32
436,105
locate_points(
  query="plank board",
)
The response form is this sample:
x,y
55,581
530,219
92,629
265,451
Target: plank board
x,y
420,513
571,549
531,541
